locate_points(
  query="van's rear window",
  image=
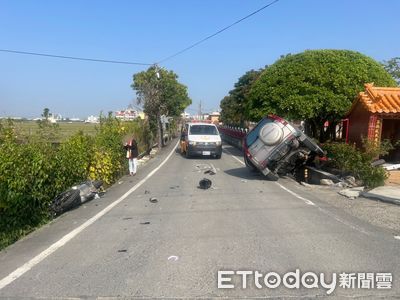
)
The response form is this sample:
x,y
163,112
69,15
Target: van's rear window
x,y
203,129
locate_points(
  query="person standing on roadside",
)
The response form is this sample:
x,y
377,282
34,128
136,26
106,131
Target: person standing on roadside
x,y
131,154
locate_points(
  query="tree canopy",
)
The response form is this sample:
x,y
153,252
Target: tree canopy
x,y
392,66
315,85
161,94
234,107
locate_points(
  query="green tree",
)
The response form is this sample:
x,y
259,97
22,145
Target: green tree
x,y
316,86
392,66
160,93
235,106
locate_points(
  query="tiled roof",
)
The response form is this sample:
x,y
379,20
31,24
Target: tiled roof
x,y
380,99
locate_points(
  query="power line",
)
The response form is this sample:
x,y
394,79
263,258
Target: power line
x,y
76,58
216,33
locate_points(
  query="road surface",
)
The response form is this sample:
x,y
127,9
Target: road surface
x,y
175,248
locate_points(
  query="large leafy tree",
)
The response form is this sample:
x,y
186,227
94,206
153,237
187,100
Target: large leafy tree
x,y
234,107
316,86
160,93
393,68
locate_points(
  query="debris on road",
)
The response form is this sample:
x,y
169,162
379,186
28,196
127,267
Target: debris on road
x,y
326,182
145,223
352,193
174,187
122,250
211,170
244,180
173,258
127,218
205,183
153,200
146,192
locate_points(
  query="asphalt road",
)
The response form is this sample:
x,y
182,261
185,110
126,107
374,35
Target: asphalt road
x,y
174,248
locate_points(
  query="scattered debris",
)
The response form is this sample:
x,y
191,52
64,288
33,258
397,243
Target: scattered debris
x,y
145,223
120,182
127,218
326,182
146,192
351,180
205,183
174,187
378,162
244,180
153,200
173,258
342,184
211,170
352,193
123,250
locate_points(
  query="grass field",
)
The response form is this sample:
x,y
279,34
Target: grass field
x,y
28,128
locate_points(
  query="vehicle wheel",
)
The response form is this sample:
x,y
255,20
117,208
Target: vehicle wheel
x,y
65,201
249,164
218,156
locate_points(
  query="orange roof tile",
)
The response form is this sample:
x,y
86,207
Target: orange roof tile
x,y
380,99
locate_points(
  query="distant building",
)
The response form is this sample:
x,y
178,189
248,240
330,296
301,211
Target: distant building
x,y
214,117
92,120
127,114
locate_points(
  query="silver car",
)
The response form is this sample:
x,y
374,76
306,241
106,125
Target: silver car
x,y
275,147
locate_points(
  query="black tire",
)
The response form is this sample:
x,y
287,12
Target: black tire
x,y
249,164
97,183
65,201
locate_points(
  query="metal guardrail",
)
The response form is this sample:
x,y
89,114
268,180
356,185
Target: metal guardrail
x,y
233,135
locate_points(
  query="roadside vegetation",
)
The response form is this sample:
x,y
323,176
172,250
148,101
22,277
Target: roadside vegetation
x,y
40,160
34,168
315,86
346,158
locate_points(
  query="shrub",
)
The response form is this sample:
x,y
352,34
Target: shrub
x,y
35,170
347,158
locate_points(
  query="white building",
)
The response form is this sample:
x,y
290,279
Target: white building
x,y
127,114
92,120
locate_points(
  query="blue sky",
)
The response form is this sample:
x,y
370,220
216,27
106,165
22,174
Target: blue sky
x,y
147,31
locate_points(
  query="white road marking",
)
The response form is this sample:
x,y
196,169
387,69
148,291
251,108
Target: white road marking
x,y
173,257
309,202
65,239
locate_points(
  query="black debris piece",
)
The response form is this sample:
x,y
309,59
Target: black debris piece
x,y
153,200
145,223
211,172
146,192
205,183
122,250
127,218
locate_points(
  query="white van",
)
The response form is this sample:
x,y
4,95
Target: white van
x,y
201,139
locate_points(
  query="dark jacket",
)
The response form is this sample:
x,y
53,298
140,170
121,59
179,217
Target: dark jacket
x,y
132,148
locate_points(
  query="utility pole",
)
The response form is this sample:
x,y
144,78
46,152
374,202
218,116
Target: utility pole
x,y
200,114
